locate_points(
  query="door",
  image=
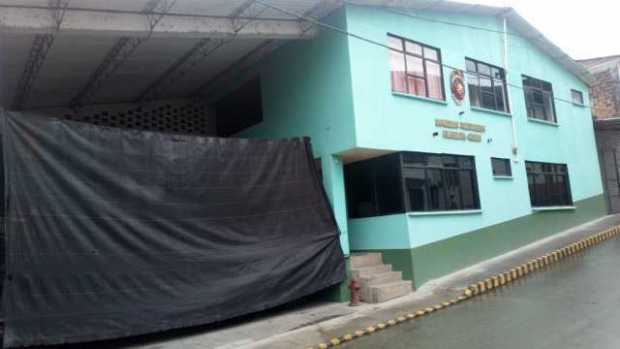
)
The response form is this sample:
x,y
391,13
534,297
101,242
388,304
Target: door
x,y
611,178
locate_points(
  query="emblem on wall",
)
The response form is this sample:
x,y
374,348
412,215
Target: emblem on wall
x,y
457,86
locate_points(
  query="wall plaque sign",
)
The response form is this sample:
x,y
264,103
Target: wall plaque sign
x,y
473,132
474,137
472,127
446,123
454,135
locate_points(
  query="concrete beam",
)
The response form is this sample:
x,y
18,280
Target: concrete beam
x,y
135,24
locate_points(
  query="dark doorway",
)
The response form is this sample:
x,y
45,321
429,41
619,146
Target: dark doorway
x,y
240,109
608,142
609,165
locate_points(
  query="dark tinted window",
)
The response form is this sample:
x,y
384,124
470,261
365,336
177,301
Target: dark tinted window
x,y
439,182
240,109
486,85
549,184
411,181
374,187
501,167
539,99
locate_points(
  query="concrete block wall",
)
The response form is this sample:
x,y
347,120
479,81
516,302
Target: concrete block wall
x,y
183,116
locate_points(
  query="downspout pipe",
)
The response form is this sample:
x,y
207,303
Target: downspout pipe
x,y
515,142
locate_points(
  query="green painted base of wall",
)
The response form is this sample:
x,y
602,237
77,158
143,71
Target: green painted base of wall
x,y
340,292
427,262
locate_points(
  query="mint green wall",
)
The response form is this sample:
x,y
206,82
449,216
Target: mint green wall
x,y
306,91
393,122
336,90
384,232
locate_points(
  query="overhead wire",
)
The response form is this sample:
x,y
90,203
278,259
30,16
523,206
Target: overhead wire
x,y
342,31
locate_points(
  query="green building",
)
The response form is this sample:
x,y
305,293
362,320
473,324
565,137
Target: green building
x,y
446,133
432,176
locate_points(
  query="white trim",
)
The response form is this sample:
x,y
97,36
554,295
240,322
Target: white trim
x,y
443,213
420,98
490,111
544,122
553,208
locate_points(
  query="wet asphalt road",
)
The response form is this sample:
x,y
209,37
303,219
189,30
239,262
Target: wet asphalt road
x,y
574,304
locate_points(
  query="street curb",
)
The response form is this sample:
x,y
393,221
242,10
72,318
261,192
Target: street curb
x,y
483,286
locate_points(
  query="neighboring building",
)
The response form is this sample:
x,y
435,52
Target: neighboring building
x,y
605,96
605,90
433,185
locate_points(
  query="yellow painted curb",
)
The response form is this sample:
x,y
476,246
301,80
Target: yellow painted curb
x,y
488,284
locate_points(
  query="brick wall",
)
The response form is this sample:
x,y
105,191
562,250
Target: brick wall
x,y
605,94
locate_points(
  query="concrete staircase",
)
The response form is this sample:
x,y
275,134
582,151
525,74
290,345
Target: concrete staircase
x,y
379,283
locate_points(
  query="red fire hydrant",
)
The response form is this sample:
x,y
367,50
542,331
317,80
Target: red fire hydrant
x,y
355,287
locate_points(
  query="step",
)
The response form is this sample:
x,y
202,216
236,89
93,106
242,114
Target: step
x,y
359,260
359,273
381,278
384,292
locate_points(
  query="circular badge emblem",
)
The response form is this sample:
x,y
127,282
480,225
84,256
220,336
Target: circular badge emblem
x,y
457,86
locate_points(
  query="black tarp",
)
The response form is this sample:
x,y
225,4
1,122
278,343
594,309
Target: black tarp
x,y
112,233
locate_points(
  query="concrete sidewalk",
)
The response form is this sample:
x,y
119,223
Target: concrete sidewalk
x,y
307,325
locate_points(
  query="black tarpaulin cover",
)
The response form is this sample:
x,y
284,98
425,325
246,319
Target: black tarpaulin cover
x,y
113,233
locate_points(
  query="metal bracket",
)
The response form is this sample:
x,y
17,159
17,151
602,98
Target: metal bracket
x,y
58,8
41,46
154,11
243,15
317,12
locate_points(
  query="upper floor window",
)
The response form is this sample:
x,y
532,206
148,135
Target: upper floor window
x,y
577,97
549,184
539,99
487,86
415,68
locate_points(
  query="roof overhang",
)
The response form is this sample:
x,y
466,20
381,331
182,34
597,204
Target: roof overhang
x,y
56,53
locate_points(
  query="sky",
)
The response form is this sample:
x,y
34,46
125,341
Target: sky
x,y
583,29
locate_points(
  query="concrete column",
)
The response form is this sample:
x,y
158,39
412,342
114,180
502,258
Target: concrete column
x,y
333,181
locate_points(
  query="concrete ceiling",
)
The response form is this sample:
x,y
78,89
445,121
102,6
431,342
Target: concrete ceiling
x,y
57,53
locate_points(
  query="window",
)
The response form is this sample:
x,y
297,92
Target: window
x,y
577,97
539,99
404,182
415,68
487,86
439,182
549,184
501,167
373,187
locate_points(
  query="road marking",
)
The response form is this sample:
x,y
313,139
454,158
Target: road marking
x,y
488,284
